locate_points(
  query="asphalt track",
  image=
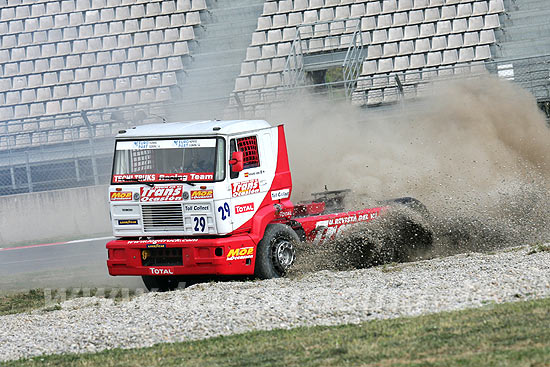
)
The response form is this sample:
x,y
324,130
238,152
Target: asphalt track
x,y
72,264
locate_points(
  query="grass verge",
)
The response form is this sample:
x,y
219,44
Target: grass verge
x,y
512,334
50,299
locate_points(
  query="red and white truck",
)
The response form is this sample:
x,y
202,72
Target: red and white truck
x,y
211,199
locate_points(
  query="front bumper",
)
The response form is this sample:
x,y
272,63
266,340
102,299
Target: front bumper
x,y
234,255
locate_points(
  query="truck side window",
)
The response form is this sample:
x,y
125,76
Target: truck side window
x,y
232,148
249,146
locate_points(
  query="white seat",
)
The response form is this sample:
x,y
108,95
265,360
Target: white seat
x,y
13,97
471,39
480,8
337,27
390,49
107,15
257,81
464,10
43,94
448,12
156,36
379,36
153,8
118,55
279,21
466,54
310,16
258,38
60,91
147,24
373,8
385,65
370,67
198,5
147,96
487,37
389,6
103,57
242,84
420,4
270,7
253,53
418,61
18,82
352,25
99,101
384,21
50,78
342,12
483,53
289,34
263,66
84,103
357,10
434,59
95,44
451,2
91,87
163,94
428,29
368,23
122,12
401,63
106,86
178,20
278,64
439,43
404,5
374,51
416,17
320,30
163,21
75,90
273,80
88,59
97,72
294,19
374,96
160,64
400,19
434,3
395,34
406,47
39,9
268,51
455,41
431,15
326,14
283,49
264,23
444,27
136,82
274,36
137,11
153,80
183,5
128,68
411,32
316,45
180,48
315,4
496,6
122,83
460,25
187,33
53,107
27,67
491,21
65,76
475,24
91,16
298,5
450,57
116,99
192,18
37,109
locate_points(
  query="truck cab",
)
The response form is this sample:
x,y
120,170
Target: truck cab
x,y
194,198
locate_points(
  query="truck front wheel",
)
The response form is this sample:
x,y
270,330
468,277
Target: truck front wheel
x,y
276,251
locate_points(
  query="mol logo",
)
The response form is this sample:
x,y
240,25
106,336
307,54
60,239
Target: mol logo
x,y
202,194
121,195
240,253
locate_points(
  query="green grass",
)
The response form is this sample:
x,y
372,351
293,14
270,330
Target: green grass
x,y
539,247
513,334
49,300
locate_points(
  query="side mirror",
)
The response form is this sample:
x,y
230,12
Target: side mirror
x,y
237,161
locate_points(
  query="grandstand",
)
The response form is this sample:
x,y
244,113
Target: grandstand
x,y
74,72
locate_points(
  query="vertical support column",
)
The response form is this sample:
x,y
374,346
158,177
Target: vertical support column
x,y
12,173
28,169
94,163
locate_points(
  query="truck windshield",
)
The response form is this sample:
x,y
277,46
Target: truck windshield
x,y
169,160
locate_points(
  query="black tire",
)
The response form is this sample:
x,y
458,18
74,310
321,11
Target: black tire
x,y
276,251
160,283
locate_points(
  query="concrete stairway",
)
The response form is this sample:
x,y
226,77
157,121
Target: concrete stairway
x,y
216,60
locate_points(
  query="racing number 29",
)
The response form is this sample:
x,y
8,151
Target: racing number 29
x,y
224,211
200,224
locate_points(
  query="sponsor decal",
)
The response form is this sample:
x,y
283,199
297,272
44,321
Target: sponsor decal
x,y
162,271
254,173
240,253
202,194
166,144
178,240
121,195
287,213
197,208
245,188
280,194
327,229
160,177
164,193
246,174
155,245
239,209
127,222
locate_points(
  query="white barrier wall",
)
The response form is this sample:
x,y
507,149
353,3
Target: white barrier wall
x,y
54,215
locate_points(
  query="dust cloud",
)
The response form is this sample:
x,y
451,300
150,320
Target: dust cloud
x,y
475,152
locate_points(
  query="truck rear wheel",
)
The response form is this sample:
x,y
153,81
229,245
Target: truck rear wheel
x,y
276,251
160,283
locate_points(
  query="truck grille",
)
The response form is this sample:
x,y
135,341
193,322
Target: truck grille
x,y
162,218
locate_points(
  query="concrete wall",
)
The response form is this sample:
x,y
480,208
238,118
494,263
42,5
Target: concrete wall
x,y
54,215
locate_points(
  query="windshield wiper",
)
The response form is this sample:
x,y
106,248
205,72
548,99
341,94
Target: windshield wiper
x,y
178,180
150,184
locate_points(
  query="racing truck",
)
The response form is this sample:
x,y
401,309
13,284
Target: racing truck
x,y
212,199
